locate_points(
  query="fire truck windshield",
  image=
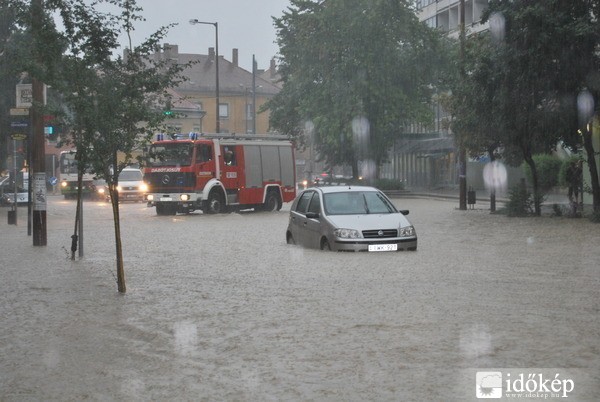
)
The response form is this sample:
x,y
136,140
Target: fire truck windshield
x,y
170,154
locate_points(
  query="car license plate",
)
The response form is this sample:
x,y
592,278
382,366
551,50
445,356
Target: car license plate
x,y
383,247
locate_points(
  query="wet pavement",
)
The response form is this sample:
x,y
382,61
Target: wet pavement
x,y
218,307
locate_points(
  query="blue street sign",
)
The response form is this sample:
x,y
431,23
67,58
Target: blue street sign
x,y
53,181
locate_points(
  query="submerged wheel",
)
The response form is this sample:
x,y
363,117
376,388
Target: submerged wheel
x,y
325,244
289,239
215,203
272,202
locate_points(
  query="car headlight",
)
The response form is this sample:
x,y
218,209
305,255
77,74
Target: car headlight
x,y
407,231
143,187
101,191
150,197
64,184
184,197
119,188
347,233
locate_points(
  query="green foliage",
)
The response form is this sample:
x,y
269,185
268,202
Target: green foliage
x,y
564,167
519,91
548,167
595,217
354,71
520,201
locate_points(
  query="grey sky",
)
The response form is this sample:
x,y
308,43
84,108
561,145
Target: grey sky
x,y
243,24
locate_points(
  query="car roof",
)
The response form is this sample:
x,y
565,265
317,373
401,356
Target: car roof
x,y
339,189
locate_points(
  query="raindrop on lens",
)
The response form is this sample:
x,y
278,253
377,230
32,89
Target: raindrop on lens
x,y
495,176
497,26
585,106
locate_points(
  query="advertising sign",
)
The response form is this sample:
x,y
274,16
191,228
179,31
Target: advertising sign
x,y
39,191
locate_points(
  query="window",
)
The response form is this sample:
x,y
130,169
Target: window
x,y
303,202
229,156
203,153
224,110
315,204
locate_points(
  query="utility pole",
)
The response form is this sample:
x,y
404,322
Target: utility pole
x,y
253,95
462,152
216,25
38,162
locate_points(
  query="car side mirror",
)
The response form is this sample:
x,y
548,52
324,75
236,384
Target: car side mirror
x,y
404,211
312,215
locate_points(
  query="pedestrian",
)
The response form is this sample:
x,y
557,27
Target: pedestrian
x,y
573,177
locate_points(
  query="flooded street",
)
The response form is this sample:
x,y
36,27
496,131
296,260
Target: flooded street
x,y
218,307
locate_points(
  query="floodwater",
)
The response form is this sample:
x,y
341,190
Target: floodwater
x,y
218,307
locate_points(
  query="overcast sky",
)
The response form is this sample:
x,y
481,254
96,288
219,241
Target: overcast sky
x,y
243,24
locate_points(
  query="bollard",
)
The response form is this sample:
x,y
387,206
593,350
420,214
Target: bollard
x,y
12,217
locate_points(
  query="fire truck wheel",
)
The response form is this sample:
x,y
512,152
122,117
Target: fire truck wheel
x,y
271,202
215,203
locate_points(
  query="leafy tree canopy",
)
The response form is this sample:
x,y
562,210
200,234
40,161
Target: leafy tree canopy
x,y
356,71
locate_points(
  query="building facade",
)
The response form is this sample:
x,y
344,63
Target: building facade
x,y
241,94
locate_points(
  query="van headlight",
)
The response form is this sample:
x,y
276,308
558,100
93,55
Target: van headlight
x,y
347,233
143,187
184,197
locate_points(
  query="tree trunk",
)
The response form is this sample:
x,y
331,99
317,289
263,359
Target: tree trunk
x,y
589,149
537,199
75,236
114,198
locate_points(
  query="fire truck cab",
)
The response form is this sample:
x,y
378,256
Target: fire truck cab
x,y
219,172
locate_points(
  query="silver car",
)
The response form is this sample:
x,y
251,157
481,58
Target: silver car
x,y
349,218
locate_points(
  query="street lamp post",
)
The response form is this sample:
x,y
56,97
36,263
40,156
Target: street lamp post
x,y
216,25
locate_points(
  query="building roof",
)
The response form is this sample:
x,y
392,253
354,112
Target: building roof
x,y
201,75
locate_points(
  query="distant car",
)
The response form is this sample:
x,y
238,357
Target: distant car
x,y
131,186
8,196
349,218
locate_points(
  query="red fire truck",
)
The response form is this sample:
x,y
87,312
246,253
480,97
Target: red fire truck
x,y
219,172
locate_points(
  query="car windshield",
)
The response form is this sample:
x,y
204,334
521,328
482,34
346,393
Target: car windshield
x,y
357,203
174,154
130,175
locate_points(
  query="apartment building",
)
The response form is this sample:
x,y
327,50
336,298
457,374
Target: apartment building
x,y
445,15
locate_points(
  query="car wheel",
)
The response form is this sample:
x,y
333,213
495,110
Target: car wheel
x,y
290,239
325,244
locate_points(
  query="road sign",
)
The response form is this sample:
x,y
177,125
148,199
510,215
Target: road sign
x,y
19,111
53,181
